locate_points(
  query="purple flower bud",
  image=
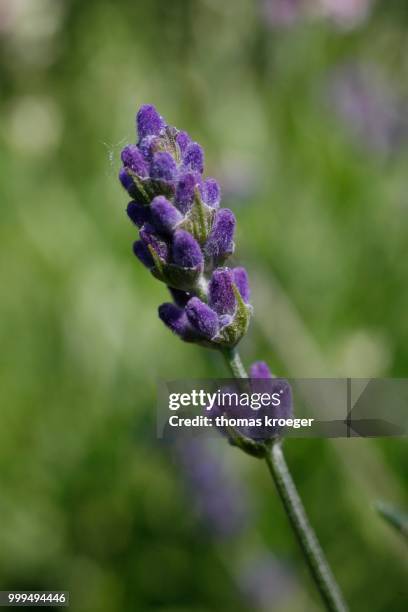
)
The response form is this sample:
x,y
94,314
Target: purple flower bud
x,y
163,167
194,158
210,192
143,254
175,318
133,159
148,121
286,405
127,181
220,241
261,377
148,146
183,140
283,410
149,237
262,381
240,278
138,213
180,297
221,293
259,369
202,318
186,250
165,216
185,191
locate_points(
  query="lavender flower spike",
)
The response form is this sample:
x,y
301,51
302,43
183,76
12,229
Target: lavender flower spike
x,y
184,236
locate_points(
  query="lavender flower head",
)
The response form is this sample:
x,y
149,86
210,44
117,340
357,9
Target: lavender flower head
x,y
185,238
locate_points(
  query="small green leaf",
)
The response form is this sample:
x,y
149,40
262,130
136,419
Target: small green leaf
x,y
393,516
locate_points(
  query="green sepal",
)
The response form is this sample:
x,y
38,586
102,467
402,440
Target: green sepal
x,y
199,219
231,334
175,276
158,262
143,187
161,188
249,446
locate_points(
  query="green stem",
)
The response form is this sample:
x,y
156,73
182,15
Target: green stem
x,y
234,363
313,553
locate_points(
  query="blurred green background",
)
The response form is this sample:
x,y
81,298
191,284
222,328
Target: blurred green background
x,y
302,112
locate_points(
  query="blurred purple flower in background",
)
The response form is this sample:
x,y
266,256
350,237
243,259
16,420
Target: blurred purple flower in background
x,y
221,501
282,13
266,581
344,14
223,504
369,106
